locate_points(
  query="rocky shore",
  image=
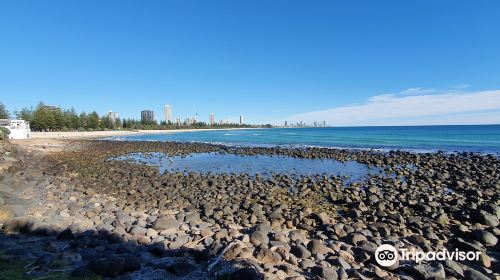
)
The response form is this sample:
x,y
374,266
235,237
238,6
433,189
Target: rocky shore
x,y
74,213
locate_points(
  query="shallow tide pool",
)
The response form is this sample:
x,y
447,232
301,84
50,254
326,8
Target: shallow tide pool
x,y
252,165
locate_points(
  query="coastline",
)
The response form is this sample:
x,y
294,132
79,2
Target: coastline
x,y
102,134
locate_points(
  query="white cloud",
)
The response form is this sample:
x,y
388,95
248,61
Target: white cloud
x,y
418,90
461,86
424,107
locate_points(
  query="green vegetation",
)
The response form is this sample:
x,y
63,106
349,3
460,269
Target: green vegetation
x,y
50,118
4,114
4,132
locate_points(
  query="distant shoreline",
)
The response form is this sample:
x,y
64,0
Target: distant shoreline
x,y
101,134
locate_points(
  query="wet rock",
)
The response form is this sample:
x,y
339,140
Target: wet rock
x,y
443,219
138,230
322,217
180,268
66,234
233,252
317,247
109,267
258,238
473,274
300,251
245,274
454,267
356,238
327,273
268,256
430,271
340,262
179,241
165,224
485,260
485,237
487,219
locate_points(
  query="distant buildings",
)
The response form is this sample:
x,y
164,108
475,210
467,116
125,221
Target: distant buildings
x,y
167,111
113,116
304,124
191,121
147,116
211,119
225,121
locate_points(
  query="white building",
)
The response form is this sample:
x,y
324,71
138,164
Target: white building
x,y
212,118
167,111
113,116
19,129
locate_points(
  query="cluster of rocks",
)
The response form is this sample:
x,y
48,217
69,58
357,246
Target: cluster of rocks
x,y
119,218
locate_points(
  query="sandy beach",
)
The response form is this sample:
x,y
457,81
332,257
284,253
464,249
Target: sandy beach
x,y
101,134
58,141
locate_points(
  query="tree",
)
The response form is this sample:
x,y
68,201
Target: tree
x,y
59,121
72,121
117,124
106,122
93,120
4,114
25,114
83,121
43,118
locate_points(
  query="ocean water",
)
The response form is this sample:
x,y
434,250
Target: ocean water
x,y
263,165
483,139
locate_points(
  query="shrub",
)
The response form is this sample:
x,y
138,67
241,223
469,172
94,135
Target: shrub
x,y
4,132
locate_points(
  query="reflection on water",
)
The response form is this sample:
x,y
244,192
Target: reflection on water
x,y
263,165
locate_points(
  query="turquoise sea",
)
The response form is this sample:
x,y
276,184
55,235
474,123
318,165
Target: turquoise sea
x,y
464,138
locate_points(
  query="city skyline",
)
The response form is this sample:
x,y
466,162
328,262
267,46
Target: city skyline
x,y
149,115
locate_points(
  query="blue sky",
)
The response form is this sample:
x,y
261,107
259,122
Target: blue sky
x,y
267,60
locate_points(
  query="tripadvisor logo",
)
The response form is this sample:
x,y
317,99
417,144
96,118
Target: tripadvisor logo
x,y
387,255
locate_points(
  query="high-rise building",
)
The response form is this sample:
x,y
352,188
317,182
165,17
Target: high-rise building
x,y
167,111
147,116
112,116
211,119
241,120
